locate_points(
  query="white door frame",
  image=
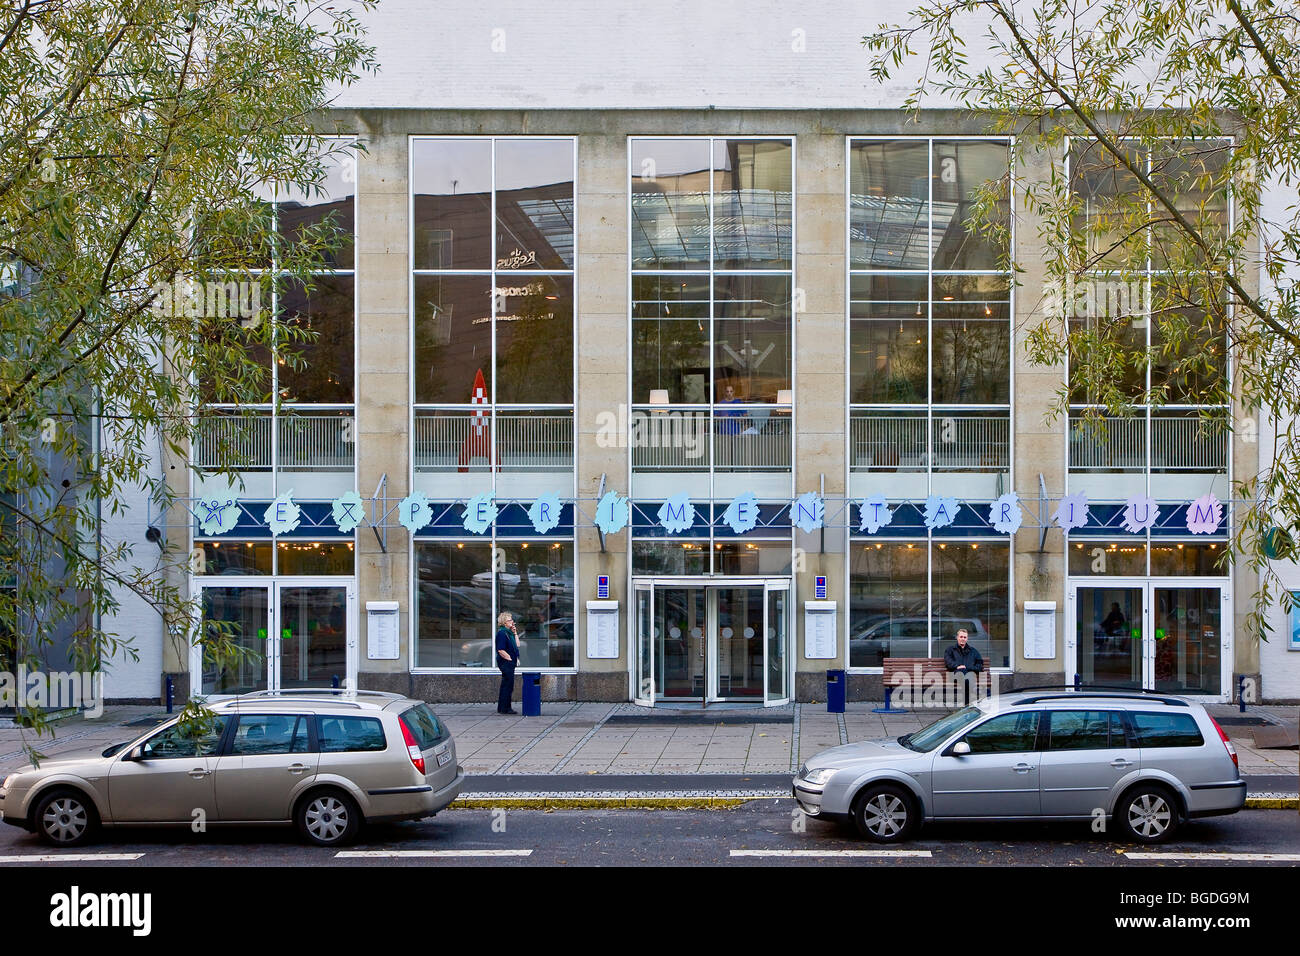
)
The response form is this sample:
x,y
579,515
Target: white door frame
x,y
643,693
1148,586
273,585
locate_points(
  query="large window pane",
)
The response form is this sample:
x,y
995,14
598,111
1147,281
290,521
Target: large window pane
x,y
332,202
534,182
752,187
1189,355
239,614
962,168
453,604
970,589
670,338
889,205
326,310
453,338
452,183
1103,188
534,327
535,584
670,203
752,337
972,340
888,325
1193,173
888,611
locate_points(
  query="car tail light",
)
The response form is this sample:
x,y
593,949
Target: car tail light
x,y
417,757
1232,751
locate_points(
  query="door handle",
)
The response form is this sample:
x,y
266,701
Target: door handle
x,y
1119,763
1022,768
198,772
296,768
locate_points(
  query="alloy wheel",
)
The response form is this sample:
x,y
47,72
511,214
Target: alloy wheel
x,y
885,815
1149,816
65,819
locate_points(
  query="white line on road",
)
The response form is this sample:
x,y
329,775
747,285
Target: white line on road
x,y
371,854
870,853
1209,855
70,857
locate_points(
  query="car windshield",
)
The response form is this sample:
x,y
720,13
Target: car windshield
x,y
930,737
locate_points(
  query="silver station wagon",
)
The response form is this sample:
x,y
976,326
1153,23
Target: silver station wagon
x,y
324,761
1146,763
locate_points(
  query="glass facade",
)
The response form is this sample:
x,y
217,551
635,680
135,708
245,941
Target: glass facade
x,y
492,284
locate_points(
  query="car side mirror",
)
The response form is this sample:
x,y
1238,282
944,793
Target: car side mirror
x,y
959,749
134,754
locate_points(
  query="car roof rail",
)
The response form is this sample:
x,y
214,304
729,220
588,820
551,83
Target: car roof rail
x,y
1109,692
322,691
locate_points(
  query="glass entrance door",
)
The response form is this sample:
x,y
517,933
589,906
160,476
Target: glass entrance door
x,y
294,633
710,641
1167,636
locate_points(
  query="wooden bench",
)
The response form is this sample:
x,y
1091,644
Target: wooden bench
x,y
921,673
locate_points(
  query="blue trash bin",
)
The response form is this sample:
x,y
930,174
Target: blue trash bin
x,y
532,695
835,692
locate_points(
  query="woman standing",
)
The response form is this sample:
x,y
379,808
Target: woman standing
x,y
507,646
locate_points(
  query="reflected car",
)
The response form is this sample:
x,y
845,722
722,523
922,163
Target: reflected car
x,y
1148,763
553,647
325,762
910,637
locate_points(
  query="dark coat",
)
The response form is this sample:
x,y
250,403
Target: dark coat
x,y
954,657
506,642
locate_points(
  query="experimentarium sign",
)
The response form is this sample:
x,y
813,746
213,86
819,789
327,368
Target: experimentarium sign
x,y
678,515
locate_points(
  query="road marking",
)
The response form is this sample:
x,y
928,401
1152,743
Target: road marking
x,y
375,854
1209,855
869,853
70,857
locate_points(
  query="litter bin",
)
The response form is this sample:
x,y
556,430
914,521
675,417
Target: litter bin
x,y
532,695
835,692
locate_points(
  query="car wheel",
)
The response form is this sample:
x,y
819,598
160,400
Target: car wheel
x,y
65,818
1148,814
328,818
885,813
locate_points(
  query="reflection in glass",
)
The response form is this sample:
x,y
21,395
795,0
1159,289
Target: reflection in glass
x,y
333,202
236,557
1109,623
888,355
452,184
1103,187
534,182
889,205
453,338
670,203
316,557
665,557
970,589
239,615
740,642
961,169
971,353
1102,557
327,358
670,338
535,584
752,189
313,636
752,337
748,558
888,610
1188,633
453,604
680,642
534,328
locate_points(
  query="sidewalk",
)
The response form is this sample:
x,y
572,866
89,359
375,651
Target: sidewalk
x,y
602,739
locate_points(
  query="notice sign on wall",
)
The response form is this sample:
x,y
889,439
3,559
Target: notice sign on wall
x,y
602,629
382,626
819,629
1040,630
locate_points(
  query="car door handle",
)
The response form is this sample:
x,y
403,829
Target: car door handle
x,y
1119,763
198,772
296,768
1022,768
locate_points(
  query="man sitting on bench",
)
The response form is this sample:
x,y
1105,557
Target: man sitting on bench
x,y
963,659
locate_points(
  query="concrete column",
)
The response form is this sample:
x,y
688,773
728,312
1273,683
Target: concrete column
x,y
820,384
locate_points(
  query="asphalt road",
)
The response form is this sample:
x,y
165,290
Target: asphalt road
x,y
758,833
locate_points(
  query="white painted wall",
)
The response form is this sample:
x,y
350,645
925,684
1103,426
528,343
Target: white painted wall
x,y
598,54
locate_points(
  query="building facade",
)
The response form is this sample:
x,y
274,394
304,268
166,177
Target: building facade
x,y
710,384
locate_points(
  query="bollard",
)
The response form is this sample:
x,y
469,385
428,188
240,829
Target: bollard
x,y
171,692
1241,693
334,681
1078,682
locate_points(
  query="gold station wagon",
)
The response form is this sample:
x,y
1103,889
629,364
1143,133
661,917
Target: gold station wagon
x,y
325,761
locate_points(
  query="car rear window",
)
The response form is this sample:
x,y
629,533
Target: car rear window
x,y
425,725
1085,730
1167,730
339,734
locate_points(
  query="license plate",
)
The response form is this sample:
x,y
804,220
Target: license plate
x,y
444,758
